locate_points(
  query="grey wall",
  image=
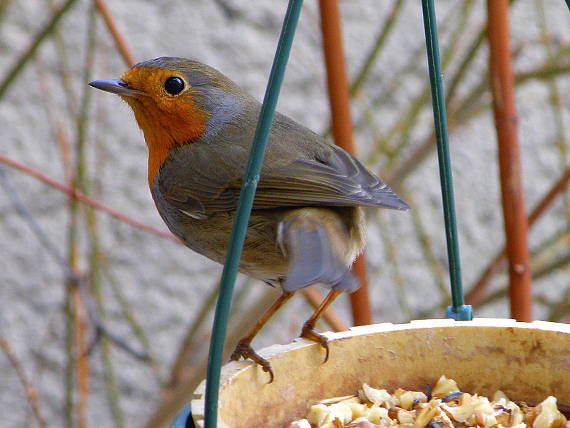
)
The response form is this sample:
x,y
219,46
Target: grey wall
x,y
164,283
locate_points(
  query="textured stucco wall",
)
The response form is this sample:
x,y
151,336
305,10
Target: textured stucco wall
x,y
165,283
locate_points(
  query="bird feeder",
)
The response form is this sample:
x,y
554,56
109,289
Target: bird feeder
x,y
527,361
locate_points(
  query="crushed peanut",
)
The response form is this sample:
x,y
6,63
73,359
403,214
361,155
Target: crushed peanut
x,y
444,406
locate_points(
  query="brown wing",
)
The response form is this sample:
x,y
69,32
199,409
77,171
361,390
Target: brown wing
x,y
206,178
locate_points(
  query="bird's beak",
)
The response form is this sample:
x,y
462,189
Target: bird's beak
x,y
116,86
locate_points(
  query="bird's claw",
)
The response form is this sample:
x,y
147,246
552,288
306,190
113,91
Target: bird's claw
x,y
244,350
308,332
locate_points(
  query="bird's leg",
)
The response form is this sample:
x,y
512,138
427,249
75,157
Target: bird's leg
x,y
308,331
243,347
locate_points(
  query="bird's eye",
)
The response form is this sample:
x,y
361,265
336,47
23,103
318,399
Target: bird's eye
x,y
174,85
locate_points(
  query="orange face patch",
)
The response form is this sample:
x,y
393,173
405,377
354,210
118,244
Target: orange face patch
x,y
167,121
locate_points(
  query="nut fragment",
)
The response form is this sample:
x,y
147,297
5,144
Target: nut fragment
x,y
406,418
426,414
444,386
301,423
549,416
407,399
443,407
380,397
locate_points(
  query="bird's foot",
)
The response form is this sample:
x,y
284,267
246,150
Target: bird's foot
x,y
308,332
244,349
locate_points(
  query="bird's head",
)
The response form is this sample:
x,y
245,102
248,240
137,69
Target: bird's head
x,y
175,101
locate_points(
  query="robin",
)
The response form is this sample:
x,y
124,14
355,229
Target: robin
x,y
306,225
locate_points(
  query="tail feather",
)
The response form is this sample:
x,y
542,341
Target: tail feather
x,y
311,256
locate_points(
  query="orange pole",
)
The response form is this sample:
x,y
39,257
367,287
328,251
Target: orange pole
x,y
516,225
338,90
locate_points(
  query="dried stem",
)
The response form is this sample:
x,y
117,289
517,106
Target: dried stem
x,y
503,290
32,394
392,261
71,327
561,308
552,244
555,100
120,42
30,219
60,136
81,357
314,298
427,249
180,364
30,51
404,168
64,69
413,64
476,292
173,400
134,325
538,272
113,396
404,127
229,10
372,56
85,199
3,8
557,263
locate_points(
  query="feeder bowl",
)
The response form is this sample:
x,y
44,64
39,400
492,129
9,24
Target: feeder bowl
x,y
527,361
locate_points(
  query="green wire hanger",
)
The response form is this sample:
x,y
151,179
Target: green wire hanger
x,y
458,310
243,212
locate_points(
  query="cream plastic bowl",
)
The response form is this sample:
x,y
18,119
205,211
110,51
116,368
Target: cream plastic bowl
x,y
528,361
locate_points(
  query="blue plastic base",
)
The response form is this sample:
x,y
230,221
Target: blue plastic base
x,y
184,419
460,313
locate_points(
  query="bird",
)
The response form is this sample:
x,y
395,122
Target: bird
x,y
307,222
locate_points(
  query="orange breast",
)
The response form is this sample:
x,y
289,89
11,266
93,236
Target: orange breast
x,y
166,121
166,131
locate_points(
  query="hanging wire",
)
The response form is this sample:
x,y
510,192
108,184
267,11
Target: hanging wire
x,y
244,205
458,310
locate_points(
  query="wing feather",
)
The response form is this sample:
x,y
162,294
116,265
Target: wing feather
x,y
206,178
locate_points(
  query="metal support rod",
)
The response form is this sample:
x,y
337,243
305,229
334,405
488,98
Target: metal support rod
x,y
512,194
243,211
341,121
458,310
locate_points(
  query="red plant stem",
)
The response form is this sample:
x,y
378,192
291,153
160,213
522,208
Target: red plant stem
x,y
516,227
85,199
477,292
120,42
342,130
